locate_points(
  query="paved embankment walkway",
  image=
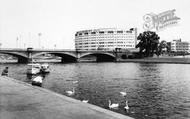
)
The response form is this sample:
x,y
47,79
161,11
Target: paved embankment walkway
x,y
19,100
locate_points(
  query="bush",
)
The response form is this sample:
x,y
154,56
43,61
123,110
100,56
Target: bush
x,y
124,56
131,56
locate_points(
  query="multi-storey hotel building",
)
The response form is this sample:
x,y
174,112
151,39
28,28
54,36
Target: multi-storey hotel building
x,y
106,39
179,46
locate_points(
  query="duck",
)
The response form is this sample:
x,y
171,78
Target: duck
x,y
71,92
113,106
126,106
85,101
123,93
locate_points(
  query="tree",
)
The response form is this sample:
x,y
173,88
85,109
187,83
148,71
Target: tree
x,y
163,45
148,43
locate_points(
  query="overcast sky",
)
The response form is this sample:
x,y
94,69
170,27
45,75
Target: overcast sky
x,y
58,20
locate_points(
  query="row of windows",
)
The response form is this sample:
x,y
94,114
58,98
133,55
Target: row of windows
x,y
102,32
111,37
107,39
80,43
180,47
181,43
105,35
119,41
106,46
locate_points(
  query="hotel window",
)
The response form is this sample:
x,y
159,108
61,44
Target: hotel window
x,y
129,31
86,33
101,32
80,34
101,42
110,31
119,31
93,32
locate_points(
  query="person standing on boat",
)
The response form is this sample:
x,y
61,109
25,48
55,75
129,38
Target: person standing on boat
x,y
5,72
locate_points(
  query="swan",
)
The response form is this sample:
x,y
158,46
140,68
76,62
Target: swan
x,y
71,92
113,106
124,93
74,82
85,101
126,106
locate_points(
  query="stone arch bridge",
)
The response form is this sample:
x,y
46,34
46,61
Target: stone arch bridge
x,y
26,55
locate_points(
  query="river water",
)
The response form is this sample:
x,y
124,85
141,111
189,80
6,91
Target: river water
x,y
154,91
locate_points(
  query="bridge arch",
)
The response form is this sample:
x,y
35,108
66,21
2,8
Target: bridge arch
x,y
101,57
22,58
66,56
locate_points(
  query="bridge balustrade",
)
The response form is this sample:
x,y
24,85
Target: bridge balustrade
x,y
67,55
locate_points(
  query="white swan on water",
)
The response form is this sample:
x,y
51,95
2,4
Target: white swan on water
x,y
85,101
113,106
126,106
71,92
123,93
74,82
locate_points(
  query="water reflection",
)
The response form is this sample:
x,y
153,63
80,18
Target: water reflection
x,y
148,91
158,98
153,90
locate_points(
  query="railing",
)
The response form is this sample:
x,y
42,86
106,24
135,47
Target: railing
x,y
36,49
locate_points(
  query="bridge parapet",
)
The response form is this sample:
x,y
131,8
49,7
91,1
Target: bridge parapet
x,y
66,54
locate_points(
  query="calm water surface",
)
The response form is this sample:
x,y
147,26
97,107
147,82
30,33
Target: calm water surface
x,y
154,91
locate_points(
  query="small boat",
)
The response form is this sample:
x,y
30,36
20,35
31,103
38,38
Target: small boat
x,y
33,68
37,81
45,68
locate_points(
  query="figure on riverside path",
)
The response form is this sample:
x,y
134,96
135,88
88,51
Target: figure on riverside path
x,y
5,72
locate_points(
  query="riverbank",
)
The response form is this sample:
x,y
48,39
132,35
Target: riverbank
x,y
20,100
174,60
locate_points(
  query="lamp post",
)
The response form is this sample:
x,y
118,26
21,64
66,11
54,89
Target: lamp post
x,y
39,34
16,42
54,46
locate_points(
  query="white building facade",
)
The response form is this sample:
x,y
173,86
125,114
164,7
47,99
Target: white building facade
x,y
106,39
179,46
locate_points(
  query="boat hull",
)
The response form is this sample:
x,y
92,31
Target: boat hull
x,y
37,81
34,83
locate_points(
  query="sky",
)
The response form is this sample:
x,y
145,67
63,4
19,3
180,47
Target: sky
x,y
57,21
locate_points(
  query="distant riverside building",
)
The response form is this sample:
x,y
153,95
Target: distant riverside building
x,y
179,46
106,39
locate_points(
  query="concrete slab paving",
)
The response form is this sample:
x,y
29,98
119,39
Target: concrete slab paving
x,y
19,100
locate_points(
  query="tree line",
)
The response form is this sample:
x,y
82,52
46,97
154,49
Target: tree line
x,y
149,44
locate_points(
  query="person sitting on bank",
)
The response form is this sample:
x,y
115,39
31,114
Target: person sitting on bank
x,y
5,72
